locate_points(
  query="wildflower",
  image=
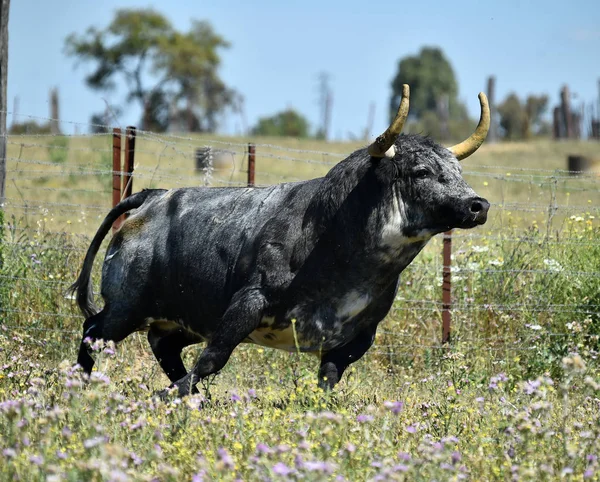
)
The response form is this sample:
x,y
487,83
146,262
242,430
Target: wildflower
x,y
281,469
93,442
411,429
261,448
9,453
225,458
364,418
394,407
319,466
553,265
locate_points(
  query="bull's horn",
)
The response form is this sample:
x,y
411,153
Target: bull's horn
x,y
383,146
470,145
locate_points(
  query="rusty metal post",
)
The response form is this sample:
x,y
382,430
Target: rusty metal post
x,y
447,287
129,165
251,164
116,178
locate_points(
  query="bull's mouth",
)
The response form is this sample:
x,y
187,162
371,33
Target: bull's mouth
x,y
473,220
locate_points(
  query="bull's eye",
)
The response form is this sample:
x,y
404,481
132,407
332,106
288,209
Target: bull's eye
x,y
422,173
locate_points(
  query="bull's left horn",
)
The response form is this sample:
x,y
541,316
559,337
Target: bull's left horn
x,y
383,146
470,145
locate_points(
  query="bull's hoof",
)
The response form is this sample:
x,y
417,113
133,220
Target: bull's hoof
x,y
174,392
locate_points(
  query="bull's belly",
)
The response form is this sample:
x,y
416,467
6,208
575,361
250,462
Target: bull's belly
x,y
288,339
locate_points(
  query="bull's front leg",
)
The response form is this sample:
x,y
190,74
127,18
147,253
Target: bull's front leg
x,y
334,362
241,318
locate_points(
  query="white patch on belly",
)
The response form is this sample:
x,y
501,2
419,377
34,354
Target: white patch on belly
x,y
352,304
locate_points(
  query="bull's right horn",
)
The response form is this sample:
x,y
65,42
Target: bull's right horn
x,y
472,143
383,146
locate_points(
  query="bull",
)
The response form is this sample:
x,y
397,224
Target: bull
x,y
311,266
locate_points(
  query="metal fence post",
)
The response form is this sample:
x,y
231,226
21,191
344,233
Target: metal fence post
x,y
251,164
116,178
447,287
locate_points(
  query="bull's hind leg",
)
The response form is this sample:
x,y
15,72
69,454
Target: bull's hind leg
x,y
241,318
109,325
167,347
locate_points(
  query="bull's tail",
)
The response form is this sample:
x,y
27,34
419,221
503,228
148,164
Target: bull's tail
x,y
83,285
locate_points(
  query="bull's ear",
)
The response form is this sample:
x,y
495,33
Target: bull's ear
x,y
383,146
470,145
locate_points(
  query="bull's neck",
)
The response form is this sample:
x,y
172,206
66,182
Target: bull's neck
x,y
344,223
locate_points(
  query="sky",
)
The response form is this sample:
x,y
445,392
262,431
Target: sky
x,y
278,49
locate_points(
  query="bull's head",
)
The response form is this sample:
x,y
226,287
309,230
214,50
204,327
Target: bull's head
x,y
430,194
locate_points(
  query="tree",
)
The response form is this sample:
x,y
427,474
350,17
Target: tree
x,y
286,123
522,120
433,85
164,69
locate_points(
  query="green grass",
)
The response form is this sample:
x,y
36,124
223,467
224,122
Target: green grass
x,y
514,396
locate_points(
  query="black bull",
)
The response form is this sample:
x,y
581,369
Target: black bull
x,y
310,265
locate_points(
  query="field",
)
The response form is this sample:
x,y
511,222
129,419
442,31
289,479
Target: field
x,y
514,396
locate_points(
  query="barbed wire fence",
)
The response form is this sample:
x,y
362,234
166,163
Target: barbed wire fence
x,y
60,186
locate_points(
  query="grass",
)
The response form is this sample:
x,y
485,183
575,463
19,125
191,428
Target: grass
x,y
514,396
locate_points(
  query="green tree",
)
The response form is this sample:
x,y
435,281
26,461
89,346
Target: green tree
x,y
286,123
522,120
432,82
164,69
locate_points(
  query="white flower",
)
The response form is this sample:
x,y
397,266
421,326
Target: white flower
x,y
480,249
534,327
553,265
496,262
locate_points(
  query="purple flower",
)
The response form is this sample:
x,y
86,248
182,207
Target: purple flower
x,y
411,429
319,466
456,457
261,448
283,448
235,397
36,459
404,456
400,468
394,407
532,386
61,455
10,453
588,474
364,418
281,469
92,442
252,393
225,458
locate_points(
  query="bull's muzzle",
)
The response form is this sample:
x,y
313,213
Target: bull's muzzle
x,y
478,211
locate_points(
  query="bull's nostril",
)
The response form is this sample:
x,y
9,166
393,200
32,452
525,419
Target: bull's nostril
x,y
476,207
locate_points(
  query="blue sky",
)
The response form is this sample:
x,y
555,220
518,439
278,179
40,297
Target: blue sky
x,y
278,49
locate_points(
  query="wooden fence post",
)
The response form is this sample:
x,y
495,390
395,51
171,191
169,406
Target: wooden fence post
x,y
447,287
4,8
251,164
116,178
